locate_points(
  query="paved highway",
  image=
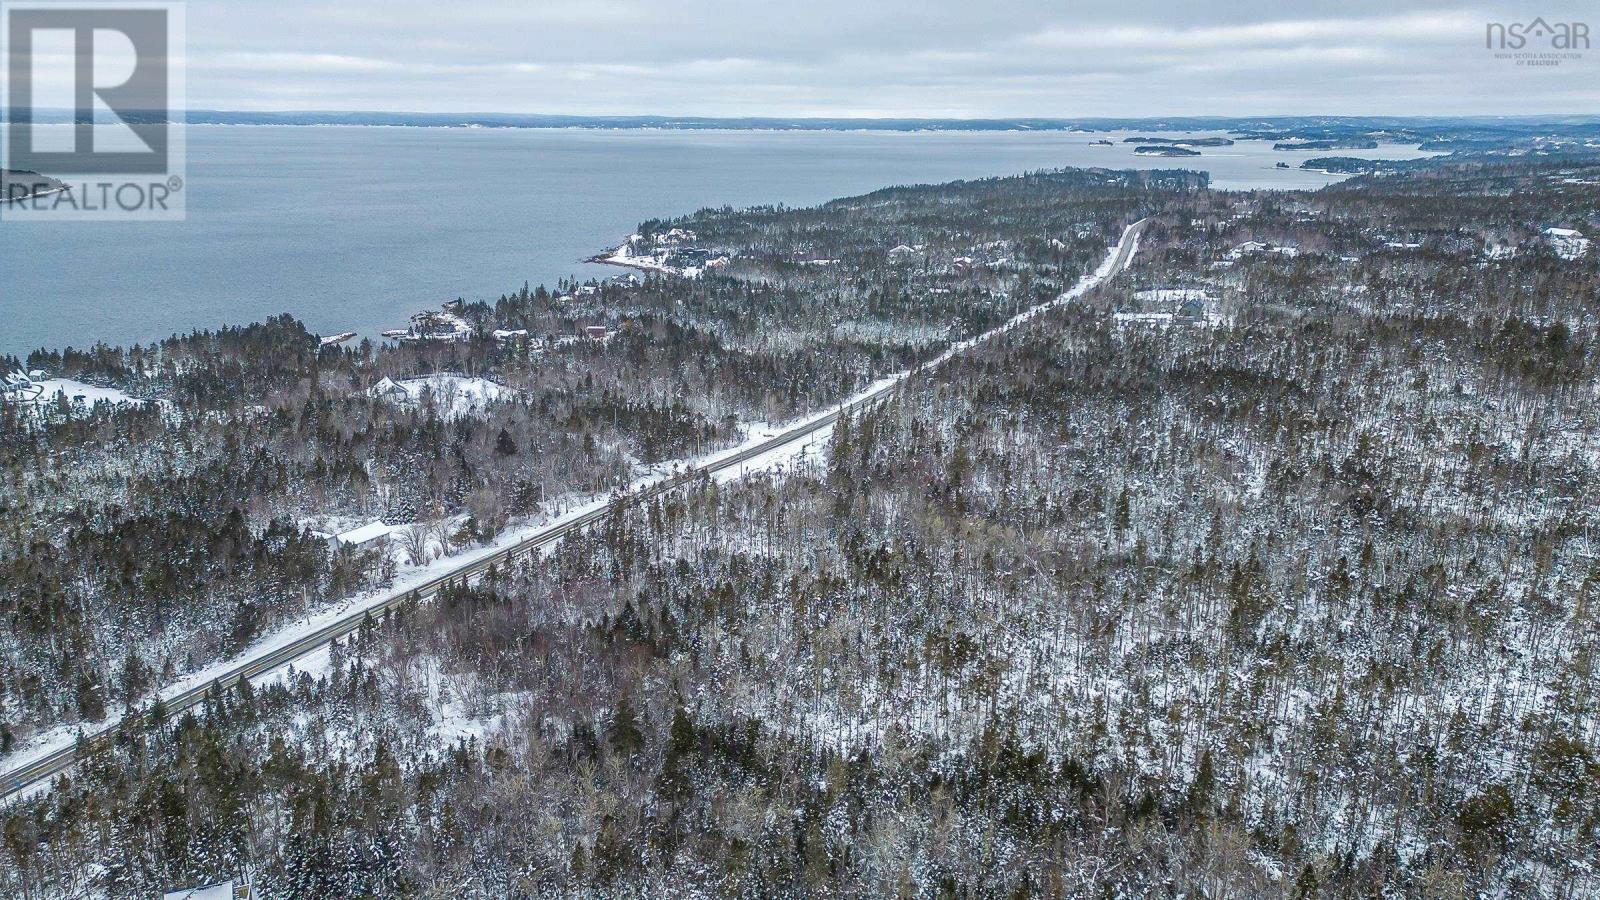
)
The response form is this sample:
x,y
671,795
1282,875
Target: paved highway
x,y
46,767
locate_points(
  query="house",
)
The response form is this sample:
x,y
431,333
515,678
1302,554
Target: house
x,y
368,537
1250,247
1568,243
597,332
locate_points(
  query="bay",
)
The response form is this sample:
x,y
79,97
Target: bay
x,y
355,228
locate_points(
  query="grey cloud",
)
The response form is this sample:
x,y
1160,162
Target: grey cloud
x,y
939,58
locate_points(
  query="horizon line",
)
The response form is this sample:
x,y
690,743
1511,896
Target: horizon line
x,y
1587,117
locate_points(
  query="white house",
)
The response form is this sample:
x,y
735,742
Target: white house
x,y
367,537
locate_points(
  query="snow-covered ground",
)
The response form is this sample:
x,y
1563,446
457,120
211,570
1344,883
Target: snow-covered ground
x,y
410,578
1172,295
452,396
1568,243
656,259
1143,318
49,390
653,262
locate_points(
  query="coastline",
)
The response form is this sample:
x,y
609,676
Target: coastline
x,y
619,257
35,195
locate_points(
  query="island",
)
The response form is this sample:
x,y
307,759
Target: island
x,y
17,185
1341,165
1182,142
1164,150
1331,144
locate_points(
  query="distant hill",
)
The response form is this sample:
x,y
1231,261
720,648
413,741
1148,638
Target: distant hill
x,y
1496,130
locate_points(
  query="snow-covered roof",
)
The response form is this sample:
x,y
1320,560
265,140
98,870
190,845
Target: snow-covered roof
x,y
1563,232
368,532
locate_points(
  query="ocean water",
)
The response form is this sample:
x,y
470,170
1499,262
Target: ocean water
x,y
354,229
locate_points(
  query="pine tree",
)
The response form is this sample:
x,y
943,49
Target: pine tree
x,y
504,445
624,735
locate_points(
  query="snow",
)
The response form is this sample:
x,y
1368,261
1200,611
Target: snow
x,y
434,326
411,578
1249,247
1172,295
41,392
368,532
1568,243
453,396
222,890
624,256
1146,318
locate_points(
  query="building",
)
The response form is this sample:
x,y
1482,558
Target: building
x,y
1568,243
368,537
597,332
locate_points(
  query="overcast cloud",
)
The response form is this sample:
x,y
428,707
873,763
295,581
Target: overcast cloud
x,y
862,58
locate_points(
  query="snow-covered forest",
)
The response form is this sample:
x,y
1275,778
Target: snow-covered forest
x,y
1264,569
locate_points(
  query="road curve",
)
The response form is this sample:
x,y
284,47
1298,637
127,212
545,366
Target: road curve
x,y
27,776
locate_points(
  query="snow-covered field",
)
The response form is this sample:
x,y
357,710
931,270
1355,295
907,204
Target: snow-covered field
x,y
453,396
50,390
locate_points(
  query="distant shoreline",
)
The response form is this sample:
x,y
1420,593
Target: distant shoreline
x,y
39,185
1400,129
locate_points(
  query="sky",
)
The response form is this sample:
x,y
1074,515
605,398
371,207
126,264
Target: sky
x,y
932,59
